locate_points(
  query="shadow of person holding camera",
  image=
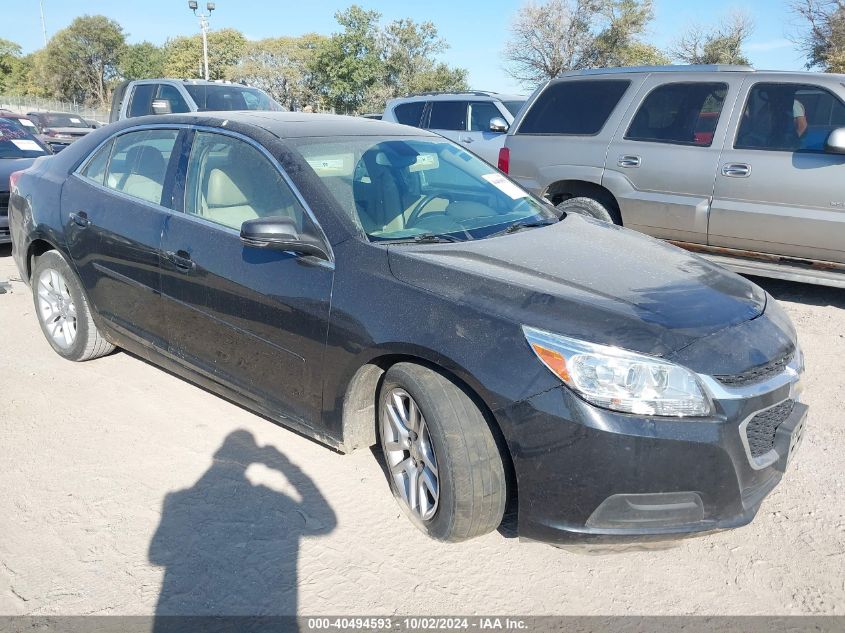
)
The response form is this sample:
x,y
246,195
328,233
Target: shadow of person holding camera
x,y
229,547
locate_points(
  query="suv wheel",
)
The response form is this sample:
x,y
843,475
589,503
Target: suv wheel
x,y
63,311
442,461
591,208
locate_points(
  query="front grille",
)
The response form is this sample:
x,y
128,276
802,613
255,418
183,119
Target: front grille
x,y
757,374
4,204
762,427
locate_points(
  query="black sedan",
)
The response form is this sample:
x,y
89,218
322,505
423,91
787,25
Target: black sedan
x,y
18,150
365,282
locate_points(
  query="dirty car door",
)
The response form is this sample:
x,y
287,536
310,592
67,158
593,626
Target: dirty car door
x,y
252,318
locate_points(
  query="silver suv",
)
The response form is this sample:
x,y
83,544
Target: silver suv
x,y
477,120
746,167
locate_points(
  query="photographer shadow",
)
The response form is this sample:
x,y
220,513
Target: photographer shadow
x,y
229,547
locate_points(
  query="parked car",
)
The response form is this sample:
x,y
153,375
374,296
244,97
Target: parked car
x,y
59,129
18,150
477,120
370,283
21,119
176,96
739,165
372,115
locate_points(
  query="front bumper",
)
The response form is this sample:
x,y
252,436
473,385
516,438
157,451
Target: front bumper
x,y
5,235
589,475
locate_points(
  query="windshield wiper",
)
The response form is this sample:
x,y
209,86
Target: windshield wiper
x,y
428,238
518,226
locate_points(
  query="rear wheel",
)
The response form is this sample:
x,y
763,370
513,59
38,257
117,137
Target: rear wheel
x,y
63,311
442,460
591,208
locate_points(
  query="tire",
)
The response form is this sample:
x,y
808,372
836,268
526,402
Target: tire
x,y
591,208
468,468
63,311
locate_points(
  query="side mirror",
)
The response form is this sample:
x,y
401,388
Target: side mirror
x,y
280,233
161,106
836,142
498,124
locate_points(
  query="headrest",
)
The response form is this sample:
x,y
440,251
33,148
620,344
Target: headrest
x,y
144,160
223,192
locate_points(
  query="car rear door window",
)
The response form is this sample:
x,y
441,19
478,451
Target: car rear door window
x,y
142,97
789,117
95,168
480,115
230,181
448,115
409,113
574,107
679,113
138,164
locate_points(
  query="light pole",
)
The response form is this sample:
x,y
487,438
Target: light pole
x,y
203,17
43,23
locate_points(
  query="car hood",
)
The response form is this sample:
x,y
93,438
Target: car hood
x,y
71,131
10,165
589,280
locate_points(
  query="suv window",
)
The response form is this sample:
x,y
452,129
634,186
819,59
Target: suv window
x,y
138,164
789,117
679,113
574,107
409,113
142,97
448,115
172,94
480,114
229,182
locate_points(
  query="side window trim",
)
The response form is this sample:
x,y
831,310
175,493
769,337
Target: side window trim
x,y
748,89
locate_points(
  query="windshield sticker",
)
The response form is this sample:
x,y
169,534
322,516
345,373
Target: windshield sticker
x,y
27,122
75,120
331,166
26,145
505,186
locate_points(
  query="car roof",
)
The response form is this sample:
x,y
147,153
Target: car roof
x,y
291,124
451,96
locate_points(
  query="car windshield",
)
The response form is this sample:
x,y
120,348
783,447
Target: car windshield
x,y
413,188
63,120
229,97
16,142
514,106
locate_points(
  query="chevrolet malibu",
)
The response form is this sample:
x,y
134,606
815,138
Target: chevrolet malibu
x,y
369,283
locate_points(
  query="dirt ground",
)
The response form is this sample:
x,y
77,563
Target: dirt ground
x,y
125,490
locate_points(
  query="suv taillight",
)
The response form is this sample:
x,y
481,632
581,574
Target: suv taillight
x,y
13,179
504,160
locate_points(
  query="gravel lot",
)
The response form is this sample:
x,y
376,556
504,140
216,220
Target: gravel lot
x,y
125,490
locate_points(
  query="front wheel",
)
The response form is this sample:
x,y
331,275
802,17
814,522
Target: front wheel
x,y
591,208
443,463
63,311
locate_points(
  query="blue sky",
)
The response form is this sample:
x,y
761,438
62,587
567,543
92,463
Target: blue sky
x,y
475,29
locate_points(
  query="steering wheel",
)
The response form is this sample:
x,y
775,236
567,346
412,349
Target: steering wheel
x,y
418,208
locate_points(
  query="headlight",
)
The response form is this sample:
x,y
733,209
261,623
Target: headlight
x,y
617,379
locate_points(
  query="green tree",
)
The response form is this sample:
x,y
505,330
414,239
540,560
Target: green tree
x,y
348,64
822,36
80,62
10,53
721,44
183,54
555,36
280,67
144,60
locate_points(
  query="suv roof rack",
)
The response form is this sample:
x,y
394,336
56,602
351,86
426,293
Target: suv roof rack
x,y
675,68
476,93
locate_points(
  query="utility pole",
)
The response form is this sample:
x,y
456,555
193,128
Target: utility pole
x,y
203,18
43,23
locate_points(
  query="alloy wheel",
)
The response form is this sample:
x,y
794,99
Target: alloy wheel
x,y
56,308
410,454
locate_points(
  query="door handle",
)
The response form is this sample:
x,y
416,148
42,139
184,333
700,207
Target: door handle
x,y
629,161
466,139
80,219
180,259
736,170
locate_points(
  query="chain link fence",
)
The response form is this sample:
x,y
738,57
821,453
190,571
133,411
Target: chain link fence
x,y
22,105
